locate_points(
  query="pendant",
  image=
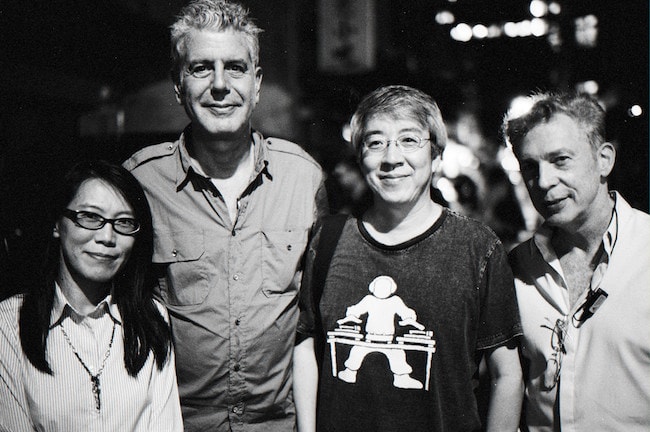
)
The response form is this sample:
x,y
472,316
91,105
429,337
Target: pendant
x,y
96,392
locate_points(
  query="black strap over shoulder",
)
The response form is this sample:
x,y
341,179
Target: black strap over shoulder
x,y
331,229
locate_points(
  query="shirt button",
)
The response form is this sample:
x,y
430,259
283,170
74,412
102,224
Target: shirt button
x,y
236,367
174,252
237,322
236,277
288,247
238,409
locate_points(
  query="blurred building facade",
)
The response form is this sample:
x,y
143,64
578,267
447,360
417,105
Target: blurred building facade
x,y
91,79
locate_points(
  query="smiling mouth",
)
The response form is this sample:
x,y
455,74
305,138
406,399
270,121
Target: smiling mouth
x,y
102,257
554,204
221,109
392,177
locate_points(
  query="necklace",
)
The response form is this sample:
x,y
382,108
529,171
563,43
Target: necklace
x,y
94,379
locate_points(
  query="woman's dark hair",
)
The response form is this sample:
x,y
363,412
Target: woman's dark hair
x,y
145,329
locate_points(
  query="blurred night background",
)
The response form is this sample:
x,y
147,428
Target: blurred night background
x,y
87,79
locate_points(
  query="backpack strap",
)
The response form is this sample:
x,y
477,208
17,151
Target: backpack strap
x,y
331,229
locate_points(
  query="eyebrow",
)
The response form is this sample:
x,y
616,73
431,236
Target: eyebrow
x,y
549,154
213,61
92,208
378,132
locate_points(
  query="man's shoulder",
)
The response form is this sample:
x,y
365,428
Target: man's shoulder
x,y
150,154
523,258
290,151
629,214
523,248
468,228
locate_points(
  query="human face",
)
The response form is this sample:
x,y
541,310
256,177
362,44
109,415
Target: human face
x,y
219,84
397,178
92,258
564,174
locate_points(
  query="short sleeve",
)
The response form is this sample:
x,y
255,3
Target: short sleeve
x,y
307,304
499,315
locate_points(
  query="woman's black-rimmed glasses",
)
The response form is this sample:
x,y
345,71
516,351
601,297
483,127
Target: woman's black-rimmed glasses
x,y
93,221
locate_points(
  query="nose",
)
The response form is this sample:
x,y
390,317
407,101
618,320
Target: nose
x,y
106,235
219,82
393,154
546,177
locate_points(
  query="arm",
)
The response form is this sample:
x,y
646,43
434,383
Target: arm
x,y
166,408
13,413
507,388
165,402
305,384
14,409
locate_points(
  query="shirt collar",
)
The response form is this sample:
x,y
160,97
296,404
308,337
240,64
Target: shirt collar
x,y
185,172
542,238
61,308
611,235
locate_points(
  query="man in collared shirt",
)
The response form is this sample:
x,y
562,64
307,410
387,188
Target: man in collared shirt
x,y
232,211
582,280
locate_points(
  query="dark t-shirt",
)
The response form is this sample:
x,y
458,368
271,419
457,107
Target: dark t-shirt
x,y
403,326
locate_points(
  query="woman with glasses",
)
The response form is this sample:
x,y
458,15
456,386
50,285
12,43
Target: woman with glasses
x,y
414,295
88,348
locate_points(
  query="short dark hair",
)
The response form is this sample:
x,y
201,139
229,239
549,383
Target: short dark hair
x,y
582,108
400,101
144,327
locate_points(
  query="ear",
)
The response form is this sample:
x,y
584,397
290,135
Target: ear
x,y
258,83
606,156
55,231
435,163
178,92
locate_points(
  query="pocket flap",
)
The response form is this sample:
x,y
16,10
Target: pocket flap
x,y
175,247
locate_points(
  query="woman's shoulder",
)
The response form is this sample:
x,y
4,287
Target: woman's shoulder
x,y
9,314
11,305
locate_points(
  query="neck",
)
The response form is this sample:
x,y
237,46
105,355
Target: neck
x,y
220,158
398,224
588,236
84,298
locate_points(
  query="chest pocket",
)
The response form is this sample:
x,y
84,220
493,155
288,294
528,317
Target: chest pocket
x,y
183,277
281,254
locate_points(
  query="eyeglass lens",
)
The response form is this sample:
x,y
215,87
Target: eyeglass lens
x,y
93,221
406,143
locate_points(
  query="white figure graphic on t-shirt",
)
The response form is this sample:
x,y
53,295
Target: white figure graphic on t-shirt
x,y
381,307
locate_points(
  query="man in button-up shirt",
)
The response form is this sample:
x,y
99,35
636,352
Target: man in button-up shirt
x,y
582,280
232,213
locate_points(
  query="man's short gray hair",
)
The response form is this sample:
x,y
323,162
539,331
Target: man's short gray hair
x,y
214,15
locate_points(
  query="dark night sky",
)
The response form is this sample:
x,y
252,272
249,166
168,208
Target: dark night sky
x,y
64,58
